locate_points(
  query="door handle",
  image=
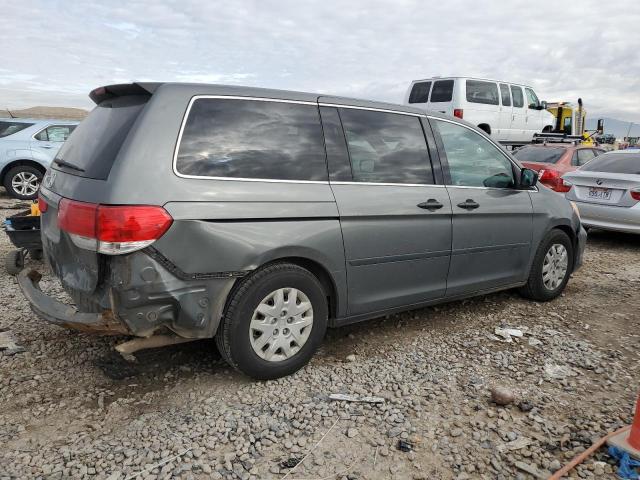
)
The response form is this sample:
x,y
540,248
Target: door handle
x,y
432,204
46,146
469,204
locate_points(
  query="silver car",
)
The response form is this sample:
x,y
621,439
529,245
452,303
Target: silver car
x,y
262,217
607,191
27,148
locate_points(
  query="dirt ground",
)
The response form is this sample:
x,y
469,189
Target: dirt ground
x,y
71,408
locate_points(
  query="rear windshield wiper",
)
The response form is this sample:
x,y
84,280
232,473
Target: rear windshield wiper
x,y
64,163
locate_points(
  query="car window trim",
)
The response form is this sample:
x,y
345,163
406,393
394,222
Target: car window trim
x,y
442,153
239,179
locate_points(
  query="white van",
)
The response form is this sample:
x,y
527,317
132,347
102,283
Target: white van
x,y
509,112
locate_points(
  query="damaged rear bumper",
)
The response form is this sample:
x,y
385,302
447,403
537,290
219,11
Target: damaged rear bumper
x,y
64,315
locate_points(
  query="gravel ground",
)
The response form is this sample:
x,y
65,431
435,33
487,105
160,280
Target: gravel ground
x,y
70,408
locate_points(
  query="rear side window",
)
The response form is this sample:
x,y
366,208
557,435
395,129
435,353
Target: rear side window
x,y
518,98
386,147
442,91
254,139
584,156
55,133
615,163
482,92
539,154
9,128
420,92
506,96
94,145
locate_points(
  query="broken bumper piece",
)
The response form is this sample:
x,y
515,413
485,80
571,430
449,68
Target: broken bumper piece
x,y
64,315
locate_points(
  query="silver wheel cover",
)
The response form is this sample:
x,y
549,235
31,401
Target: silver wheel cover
x,y
25,183
555,265
281,324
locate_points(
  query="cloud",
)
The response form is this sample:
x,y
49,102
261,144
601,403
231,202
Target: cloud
x,y
55,51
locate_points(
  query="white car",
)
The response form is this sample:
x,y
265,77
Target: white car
x,y
509,112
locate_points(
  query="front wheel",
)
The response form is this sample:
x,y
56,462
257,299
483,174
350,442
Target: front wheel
x,y
274,322
551,267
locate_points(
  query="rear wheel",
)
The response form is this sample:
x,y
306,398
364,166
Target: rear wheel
x,y
551,267
23,181
274,322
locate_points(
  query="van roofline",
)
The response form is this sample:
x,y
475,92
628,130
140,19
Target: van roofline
x,y
452,77
110,91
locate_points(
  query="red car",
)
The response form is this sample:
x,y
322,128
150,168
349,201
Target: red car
x,y
552,160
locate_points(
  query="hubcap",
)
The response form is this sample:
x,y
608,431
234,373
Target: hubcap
x,y
281,324
555,265
25,183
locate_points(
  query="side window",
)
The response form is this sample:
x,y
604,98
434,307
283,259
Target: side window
x,y
9,128
482,92
473,160
506,96
518,98
442,91
420,92
532,98
585,155
252,139
337,154
386,147
55,133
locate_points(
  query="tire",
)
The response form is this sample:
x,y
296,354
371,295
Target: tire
x,y
29,176
241,328
536,288
14,262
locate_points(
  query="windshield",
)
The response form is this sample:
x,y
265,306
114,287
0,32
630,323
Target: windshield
x,y
94,145
539,154
615,163
9,128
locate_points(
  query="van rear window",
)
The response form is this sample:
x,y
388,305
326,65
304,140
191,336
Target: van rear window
x,y
482,92
254,139
92,148
420,92
442,91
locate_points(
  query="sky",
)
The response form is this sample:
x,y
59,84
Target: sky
x,y
54,52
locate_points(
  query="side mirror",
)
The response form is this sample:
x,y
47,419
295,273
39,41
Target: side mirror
x,y
543,105
528,178
600,128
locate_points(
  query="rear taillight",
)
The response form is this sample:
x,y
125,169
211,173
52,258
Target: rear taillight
x,y
635,193
42,204
457,112
551,178
112,229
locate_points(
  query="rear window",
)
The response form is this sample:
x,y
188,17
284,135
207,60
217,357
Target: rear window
x,y
442,91
482,92
539,154
420,92
9,128
94,145
254,139
615,163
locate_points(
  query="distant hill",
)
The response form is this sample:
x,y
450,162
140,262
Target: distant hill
x,y
618,128
62,113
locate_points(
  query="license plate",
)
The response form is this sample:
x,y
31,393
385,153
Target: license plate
x,y
600,193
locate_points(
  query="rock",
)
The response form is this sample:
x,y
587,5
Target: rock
x,y
351,358
502,395
352,432
456,432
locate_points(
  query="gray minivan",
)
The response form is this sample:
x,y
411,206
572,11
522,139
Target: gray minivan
x,y
261,217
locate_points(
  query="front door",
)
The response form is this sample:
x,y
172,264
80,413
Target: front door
x,y
396,224
492,220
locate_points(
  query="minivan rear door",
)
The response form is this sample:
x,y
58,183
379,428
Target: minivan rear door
x,y
396,223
